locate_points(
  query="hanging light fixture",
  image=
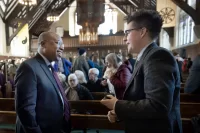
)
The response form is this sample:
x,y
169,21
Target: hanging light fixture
x,y
28,2
52,17
90,19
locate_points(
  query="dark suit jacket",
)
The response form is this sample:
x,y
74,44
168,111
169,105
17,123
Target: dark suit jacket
x,y
38,104
96,87
193,81
151,100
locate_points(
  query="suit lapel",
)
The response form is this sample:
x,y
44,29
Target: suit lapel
x,y
47,72
147,50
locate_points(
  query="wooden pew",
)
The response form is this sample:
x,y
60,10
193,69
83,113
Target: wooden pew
x,y
98,95
7,118
80,121
7,104
193,98
182,85
188,110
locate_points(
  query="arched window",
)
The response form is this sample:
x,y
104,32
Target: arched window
x,y
186,33
77,27
110,23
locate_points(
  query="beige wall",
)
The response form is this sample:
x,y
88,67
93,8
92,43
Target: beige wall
x,y
2,39
63,22
120,21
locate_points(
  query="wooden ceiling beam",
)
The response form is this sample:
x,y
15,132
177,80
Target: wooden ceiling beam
x,y
1,14
42,24
189,10
122,2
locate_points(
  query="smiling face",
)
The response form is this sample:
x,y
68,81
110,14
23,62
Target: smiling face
x,y
133,37
52,46
143,27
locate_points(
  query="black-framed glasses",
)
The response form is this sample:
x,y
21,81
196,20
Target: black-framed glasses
x,y
126,32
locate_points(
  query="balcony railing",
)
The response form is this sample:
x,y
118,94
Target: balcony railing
x,y
74,42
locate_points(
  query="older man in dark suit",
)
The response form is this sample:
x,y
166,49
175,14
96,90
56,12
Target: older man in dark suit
x,y
151,100
41,104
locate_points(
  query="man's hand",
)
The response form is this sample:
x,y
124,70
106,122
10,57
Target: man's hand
x,y
110,102
112,117
104,82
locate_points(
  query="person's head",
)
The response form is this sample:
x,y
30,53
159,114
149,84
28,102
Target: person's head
x,y
61,77
111,60
95,58
72,80
130,56
50,45
62,47
175,53
13,62
93,74
143,27
81,77
82,52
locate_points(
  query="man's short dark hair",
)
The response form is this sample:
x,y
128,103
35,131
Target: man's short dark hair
x,y
150,19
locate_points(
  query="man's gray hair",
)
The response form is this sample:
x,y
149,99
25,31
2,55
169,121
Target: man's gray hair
x,y
95,70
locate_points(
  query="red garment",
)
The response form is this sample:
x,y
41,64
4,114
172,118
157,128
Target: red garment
x,y
121,78
184,66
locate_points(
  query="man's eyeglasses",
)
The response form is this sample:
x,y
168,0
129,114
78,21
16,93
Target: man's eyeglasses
x,y
126,32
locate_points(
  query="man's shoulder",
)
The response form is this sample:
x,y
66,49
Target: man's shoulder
x,y
159,52
29,62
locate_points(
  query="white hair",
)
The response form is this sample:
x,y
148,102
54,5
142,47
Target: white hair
x,y
94,70
62,77
72,76
81,77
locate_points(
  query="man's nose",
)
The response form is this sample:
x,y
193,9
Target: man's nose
x,y
125,38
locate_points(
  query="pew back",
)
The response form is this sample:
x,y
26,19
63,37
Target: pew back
x,y
188,110
80,121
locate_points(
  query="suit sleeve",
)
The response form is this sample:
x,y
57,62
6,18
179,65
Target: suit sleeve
x,y
160,73
26,95
193,82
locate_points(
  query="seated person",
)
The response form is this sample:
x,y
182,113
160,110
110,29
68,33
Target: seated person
x,y
77,91
81,77
193,82
62,79
94,84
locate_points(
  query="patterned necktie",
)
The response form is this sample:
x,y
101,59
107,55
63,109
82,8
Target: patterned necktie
x,y
66,104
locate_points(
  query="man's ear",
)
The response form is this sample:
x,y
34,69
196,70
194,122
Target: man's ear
x,y
143,32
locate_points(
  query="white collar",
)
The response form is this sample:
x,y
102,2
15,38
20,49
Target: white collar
x,y
45,59
141,52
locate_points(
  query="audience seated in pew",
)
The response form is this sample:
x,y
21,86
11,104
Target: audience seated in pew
x,y
77,91
81,78
95,84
